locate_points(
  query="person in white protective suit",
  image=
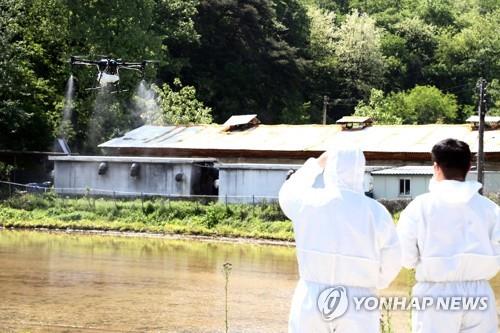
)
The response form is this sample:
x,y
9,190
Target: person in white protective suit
x,y
346,244
451,236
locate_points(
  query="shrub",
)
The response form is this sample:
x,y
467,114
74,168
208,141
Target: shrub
x,y
495,197
395,206
420,105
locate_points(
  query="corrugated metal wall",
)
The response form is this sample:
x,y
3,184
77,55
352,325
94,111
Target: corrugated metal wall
x,y
75,177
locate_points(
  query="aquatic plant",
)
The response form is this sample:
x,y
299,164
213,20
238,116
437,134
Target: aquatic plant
x,y
386,321
226,268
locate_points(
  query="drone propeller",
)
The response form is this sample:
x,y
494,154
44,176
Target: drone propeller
x,y
76,60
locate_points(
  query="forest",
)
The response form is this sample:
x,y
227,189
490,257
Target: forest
x,y
398,61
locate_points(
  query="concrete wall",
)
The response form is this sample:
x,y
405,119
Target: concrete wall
x,y
75,176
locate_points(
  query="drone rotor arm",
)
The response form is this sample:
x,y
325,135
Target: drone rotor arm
x,y
131,65
84,62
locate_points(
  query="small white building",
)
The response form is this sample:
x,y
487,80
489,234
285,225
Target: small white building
x,y
403,182
407,182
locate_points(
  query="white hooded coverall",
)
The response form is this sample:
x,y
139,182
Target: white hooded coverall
x,y
343,238
451,237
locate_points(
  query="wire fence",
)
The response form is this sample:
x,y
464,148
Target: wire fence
x,y
12,190
9,189
70,204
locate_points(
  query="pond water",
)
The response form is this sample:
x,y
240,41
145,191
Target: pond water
x,y
52,282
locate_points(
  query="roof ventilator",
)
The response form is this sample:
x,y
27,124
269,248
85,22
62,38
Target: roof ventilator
x,y
490,122
241,123
354,123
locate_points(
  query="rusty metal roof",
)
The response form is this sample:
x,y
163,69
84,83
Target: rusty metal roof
x,y
378,138
262,137
416,138
298,142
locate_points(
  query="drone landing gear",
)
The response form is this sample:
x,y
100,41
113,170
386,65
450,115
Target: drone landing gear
x,y
110,88
119,91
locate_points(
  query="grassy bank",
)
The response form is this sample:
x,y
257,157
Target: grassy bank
x,y
264,221
159,216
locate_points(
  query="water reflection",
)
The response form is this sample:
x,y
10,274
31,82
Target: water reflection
x,y
57,281
89,283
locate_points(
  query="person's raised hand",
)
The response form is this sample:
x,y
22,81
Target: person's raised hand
x,y
322,160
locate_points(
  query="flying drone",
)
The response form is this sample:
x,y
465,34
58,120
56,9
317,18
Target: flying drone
x,y
108,68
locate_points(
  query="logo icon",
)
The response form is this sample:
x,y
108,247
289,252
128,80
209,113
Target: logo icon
x,y
333,302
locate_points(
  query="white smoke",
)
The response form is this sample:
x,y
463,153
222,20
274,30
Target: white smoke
x,y
146,105
65,127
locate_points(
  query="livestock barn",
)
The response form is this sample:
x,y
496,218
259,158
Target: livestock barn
x,y
245,161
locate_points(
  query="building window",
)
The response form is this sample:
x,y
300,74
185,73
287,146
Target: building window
x,y
404,187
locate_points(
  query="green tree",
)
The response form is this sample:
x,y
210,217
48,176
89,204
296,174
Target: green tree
x,y
276,58
494,100
360,61
381,109
246,61
109,119
30,48
180,106
375,6
322,35
420,105
173,23
437,12
131,30
410,51
5,171
471,53
427,105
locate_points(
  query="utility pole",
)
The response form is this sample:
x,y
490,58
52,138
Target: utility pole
x,y
326,102
481,110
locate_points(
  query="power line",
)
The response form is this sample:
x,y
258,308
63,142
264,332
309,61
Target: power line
x,y
470,85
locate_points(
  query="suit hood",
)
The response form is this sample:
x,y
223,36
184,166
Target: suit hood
x,y
453,190
344,169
